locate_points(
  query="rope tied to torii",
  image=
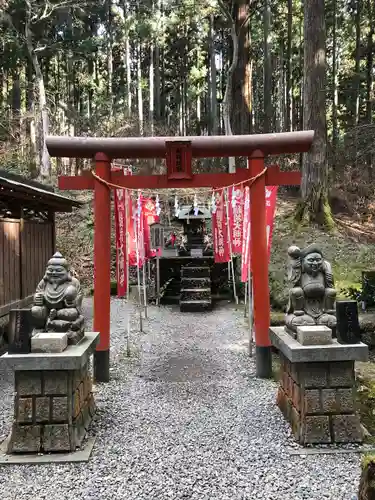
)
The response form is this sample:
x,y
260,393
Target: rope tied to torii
x,y
249,182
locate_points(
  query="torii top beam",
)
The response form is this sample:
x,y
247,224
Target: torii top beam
x,y
201,146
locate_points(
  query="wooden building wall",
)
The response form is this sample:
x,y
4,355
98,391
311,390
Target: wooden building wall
x,y
25,248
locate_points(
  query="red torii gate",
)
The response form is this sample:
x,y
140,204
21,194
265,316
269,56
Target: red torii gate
x,y
178,152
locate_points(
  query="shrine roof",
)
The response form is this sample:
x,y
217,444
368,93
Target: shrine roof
x,y
14,187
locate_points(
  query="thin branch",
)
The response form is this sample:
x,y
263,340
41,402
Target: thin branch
x,y
225,11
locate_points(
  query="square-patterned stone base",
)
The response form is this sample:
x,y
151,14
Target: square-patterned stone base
x,y
318,399
52,410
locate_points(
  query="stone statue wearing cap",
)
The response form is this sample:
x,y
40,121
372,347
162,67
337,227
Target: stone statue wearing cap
x,y
312,296
58,301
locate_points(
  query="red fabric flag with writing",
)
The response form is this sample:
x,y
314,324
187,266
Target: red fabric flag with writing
x,y
220,230
120,198
271,197
245,250
149,218
235,210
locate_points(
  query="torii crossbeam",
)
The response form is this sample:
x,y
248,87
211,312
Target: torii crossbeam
x,y
178,153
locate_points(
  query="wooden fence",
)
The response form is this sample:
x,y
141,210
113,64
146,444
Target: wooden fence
x,y
25,248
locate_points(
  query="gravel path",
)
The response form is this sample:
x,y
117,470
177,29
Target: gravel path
x,y
184,418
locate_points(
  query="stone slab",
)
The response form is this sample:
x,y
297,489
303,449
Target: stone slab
x,y
314,335
49,342
81,455
330,451
73,358
297,353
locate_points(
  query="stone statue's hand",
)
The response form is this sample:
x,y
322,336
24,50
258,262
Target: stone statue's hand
x,y
296,263
70,302
38,299
299,313
52,314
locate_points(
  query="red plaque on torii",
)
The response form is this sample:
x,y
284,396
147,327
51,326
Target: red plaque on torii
x,y
178,159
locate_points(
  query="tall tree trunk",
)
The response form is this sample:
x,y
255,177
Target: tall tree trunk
x,y
139,88
289,83
335,134
45,166
212,78
267,87
314,203
369,76
110,57
16,104
357,60
151,76
241,81
370,61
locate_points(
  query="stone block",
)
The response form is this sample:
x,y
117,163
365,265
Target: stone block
x,y
296,396
76,404
313,375
314,335
288,409
295,423
346,429
91,405
79,429
72,358
311,401
57,438
329,403
28,383
345,400
24,410
315,429
341,374
284,381
294,372
42,409
56,383
281,401
297,353
60,409
49,342
25,439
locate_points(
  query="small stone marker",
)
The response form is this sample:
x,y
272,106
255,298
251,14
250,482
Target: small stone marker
x,y
19,331
314,335
49,342
348,330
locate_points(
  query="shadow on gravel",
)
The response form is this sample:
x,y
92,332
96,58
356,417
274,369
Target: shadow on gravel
x,y
187,366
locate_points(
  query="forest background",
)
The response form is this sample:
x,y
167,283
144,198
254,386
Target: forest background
x,y
194,67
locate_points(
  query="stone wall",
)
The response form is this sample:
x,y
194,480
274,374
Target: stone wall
x,y
52,410
318,399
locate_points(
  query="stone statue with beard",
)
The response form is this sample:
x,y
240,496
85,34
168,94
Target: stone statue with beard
x,y
58,301
312,296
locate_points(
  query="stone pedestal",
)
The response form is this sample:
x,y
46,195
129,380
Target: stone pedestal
x,y
53,402
317,389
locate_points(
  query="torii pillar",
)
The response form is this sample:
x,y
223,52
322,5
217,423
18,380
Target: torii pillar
x,y
178,153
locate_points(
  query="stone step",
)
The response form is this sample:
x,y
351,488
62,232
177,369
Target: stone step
x,y
194,271
195,282
195,294
195,305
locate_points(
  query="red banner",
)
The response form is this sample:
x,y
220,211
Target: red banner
x,y
149,218
271,197
132,232
235,209
245,250
120,241
121,225
220,230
